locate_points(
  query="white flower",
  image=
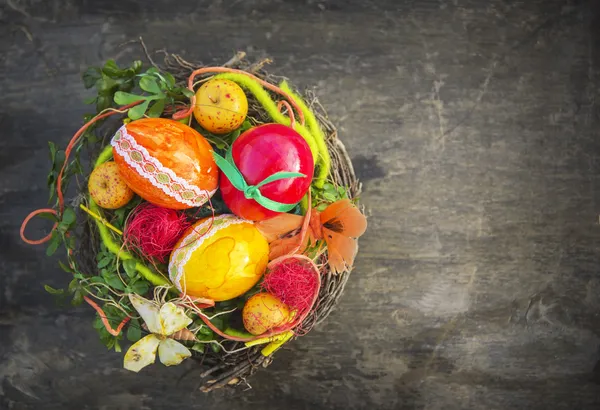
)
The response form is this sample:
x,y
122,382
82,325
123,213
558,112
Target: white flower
x,y
161,323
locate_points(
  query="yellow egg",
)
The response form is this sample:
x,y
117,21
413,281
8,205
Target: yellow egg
x,y
220,264
263,312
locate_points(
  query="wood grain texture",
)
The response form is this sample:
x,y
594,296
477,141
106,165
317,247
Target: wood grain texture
x,y
475,129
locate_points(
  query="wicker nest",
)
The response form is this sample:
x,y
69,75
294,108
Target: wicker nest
x,y
221,369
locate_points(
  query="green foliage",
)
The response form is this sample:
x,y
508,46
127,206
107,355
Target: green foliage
x,y
120,215
114,317
109,80
53,291
223,141
134,330
160,91
119,275
327,195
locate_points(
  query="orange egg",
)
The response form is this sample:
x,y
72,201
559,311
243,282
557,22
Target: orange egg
x,y
166,162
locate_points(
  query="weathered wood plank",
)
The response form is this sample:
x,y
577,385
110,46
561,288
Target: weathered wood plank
x,y
474,127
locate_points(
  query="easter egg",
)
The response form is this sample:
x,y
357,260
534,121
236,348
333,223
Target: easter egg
x,y
165,162
221,106
107,188
263,312
219,259
259,153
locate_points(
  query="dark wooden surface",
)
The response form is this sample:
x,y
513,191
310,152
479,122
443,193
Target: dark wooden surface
x,y
475,129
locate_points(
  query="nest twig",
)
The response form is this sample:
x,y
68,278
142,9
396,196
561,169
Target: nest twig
x,y
221,368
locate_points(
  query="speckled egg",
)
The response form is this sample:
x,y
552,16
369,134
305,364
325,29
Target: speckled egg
x,y
263,312
221,106
219,259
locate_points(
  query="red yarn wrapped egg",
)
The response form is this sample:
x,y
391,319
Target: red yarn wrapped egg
x,y
259,153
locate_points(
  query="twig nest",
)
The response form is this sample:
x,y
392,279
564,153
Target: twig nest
x,y
166,162
219,259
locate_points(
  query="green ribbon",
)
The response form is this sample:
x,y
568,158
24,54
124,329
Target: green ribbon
x,y
236,178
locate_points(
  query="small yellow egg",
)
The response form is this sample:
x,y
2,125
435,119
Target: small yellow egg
x,y
263,312
220,264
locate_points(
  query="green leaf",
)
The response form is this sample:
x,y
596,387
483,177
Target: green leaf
x,y
60,158
71,242
69,217
53,291
77,298
329,197
54,243
246,125
157,109
129,266
110,343
150,85
105,261
187,92
48,216
136,66
215,347
329,188
205,330
106,85
90,100
140,287
117,346
170,80
138,111
90,76
113,280
134,332
102,102
73,285
97,279
111,69
234,134
97,323
64,267
123,98
219,322
53,150
205,338
198,347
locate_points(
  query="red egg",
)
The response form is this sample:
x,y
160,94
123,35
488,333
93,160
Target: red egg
x,y
259,153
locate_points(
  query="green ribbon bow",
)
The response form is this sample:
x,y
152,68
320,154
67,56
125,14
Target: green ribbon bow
x,y
236,178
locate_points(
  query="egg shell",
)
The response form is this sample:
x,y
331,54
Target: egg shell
x,y
107,188
263,312
259,153
221,263
221,106
166,162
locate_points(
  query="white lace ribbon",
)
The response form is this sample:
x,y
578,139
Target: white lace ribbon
x,y
159,176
